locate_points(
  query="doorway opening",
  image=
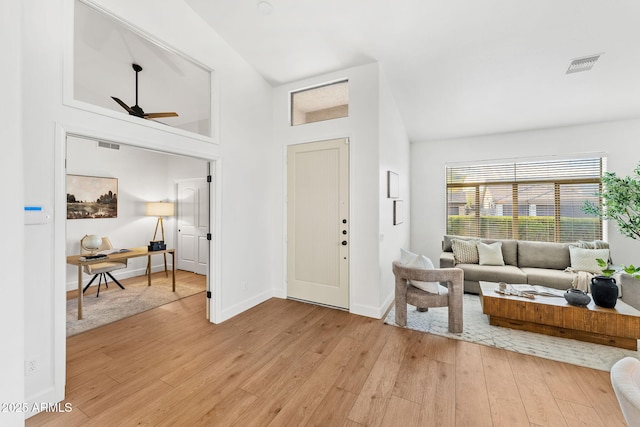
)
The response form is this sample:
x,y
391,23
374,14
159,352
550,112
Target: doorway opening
x,y
143,177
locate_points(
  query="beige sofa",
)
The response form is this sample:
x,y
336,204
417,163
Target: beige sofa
x,y
535,263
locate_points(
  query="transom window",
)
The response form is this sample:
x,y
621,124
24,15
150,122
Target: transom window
x,y
525,200
325,102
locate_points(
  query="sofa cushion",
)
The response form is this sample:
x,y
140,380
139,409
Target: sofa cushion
x,y
490,253
465,251
543,255
558,279
509,247
492,273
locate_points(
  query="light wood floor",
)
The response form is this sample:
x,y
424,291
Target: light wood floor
x,y
286,363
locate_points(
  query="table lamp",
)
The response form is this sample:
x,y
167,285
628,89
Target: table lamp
x,y
159,209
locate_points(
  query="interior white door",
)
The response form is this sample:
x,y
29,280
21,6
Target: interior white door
x,y
193,225
318,222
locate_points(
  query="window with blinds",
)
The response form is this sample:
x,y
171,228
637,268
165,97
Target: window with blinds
x,y
525,200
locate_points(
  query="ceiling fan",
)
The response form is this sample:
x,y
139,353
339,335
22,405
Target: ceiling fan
x,y
136,110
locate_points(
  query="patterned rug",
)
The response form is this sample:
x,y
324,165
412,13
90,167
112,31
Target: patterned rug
x,y
116,304
478,330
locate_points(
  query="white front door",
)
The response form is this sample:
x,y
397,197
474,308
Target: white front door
x,y
318,222
193,225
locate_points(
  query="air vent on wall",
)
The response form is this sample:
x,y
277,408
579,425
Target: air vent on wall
x,y
582,64
108,145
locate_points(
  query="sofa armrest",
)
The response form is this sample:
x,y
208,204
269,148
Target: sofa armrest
x,y
630,290
447,260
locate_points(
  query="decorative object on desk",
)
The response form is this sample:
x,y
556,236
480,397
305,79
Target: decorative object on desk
x,y
577,297
398,214
604,291
393,185
157,245
91,243
91,197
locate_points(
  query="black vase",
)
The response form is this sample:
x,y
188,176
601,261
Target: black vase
x,y
604,291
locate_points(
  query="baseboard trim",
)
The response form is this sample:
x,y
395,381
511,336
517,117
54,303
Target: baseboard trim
x,y
243,306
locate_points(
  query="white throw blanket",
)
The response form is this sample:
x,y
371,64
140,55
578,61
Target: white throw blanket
x,y
581,279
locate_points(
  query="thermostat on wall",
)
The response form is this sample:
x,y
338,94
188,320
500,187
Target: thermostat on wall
x,y
36,214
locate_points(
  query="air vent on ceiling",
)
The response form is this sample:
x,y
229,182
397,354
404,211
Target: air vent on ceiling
x,y
108,145
582,64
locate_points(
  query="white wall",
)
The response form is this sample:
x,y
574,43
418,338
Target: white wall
x,y
243,133
370,104
11,188
394,156
143,175
618,140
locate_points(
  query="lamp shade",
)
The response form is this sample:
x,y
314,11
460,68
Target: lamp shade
x,y
160,208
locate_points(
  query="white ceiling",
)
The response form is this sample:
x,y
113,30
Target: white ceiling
x,y
455,67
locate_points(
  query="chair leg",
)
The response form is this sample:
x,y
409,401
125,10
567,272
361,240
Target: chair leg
x,y
401,302
100,283
90,282
114,280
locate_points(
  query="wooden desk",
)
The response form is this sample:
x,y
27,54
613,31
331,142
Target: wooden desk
x,y
133,253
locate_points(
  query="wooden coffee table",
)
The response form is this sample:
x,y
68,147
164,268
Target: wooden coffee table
x,y
618,327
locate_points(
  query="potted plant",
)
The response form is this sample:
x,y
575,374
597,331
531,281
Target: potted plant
x,y
620,203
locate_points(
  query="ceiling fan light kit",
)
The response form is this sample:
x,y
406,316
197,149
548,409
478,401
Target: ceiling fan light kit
x,y
136,110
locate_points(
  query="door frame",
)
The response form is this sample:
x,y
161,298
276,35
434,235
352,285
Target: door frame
x,y
283,292
57,391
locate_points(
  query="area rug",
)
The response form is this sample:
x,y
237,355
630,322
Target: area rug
x,y
116,304
478,330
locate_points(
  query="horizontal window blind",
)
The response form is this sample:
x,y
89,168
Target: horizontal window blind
x,y
526,200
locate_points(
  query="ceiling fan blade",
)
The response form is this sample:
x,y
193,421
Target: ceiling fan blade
x,y
123,105
159,115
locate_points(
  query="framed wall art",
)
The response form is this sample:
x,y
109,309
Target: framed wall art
x,y
398,214
393,185
91,197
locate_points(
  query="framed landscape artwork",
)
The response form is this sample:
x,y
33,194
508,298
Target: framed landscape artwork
x,y
91,197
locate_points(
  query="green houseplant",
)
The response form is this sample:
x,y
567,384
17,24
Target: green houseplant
x,y
620,203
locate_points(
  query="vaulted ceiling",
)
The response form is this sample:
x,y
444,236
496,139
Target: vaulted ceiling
x,y
455,67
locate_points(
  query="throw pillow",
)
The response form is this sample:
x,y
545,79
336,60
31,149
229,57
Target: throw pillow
x,y
585,259
465,251
421,261
490,253
406,256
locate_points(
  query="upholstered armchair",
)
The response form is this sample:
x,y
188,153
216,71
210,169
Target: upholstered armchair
x,y
450,297
625,379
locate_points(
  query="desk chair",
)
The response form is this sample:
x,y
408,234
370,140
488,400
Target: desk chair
x,y
103,269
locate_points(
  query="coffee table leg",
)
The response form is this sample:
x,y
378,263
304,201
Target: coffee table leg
x,y
149,276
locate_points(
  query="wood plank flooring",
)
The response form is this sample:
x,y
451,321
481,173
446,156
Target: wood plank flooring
x,y
286,363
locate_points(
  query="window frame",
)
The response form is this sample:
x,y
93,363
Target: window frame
x,y
515,183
